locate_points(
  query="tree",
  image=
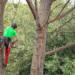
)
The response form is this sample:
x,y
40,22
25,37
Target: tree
x,y
41,17
42,21
20,57
2,6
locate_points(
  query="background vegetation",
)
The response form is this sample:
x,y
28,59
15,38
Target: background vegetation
x,y
62,63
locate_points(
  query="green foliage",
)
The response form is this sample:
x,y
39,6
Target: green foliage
x,y
62,63
20,58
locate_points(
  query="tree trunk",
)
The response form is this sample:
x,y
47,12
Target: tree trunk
x,y
2,5
40,42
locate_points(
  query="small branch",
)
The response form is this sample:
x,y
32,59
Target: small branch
x,y
62,15
62,9
55,7
32,8
66,12
58,29
37,15
60,49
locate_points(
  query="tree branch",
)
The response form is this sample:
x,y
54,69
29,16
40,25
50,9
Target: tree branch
x,y
63,24
32,8
58,29
62,9
55,7
62,15
5,1
36,6
60,49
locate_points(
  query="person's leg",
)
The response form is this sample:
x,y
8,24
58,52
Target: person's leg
x,y
7,50
6,56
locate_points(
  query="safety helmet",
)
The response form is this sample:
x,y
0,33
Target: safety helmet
x,y
14,25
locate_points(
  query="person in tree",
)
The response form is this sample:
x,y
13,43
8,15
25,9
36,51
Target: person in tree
x,y
8,34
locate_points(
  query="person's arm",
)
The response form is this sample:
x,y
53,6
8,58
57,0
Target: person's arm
x,y
16,39
15,34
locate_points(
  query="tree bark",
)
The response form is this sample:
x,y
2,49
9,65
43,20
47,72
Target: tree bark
x,y
40,42
31,8
42,20
2,5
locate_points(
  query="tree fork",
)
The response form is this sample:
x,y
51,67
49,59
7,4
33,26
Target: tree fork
x,y
40,41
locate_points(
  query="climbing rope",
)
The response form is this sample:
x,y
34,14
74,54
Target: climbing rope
x,y
41,42
34,60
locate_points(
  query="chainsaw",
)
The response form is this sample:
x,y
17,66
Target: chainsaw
x,y
13,45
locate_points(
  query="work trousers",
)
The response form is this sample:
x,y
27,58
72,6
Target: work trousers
x,y
7,50
6,42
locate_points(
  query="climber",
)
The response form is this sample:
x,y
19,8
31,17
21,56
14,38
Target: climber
x,y
6,39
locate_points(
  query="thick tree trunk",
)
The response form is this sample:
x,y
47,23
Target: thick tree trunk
x,y
40,42
39,53
2,5
42,20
